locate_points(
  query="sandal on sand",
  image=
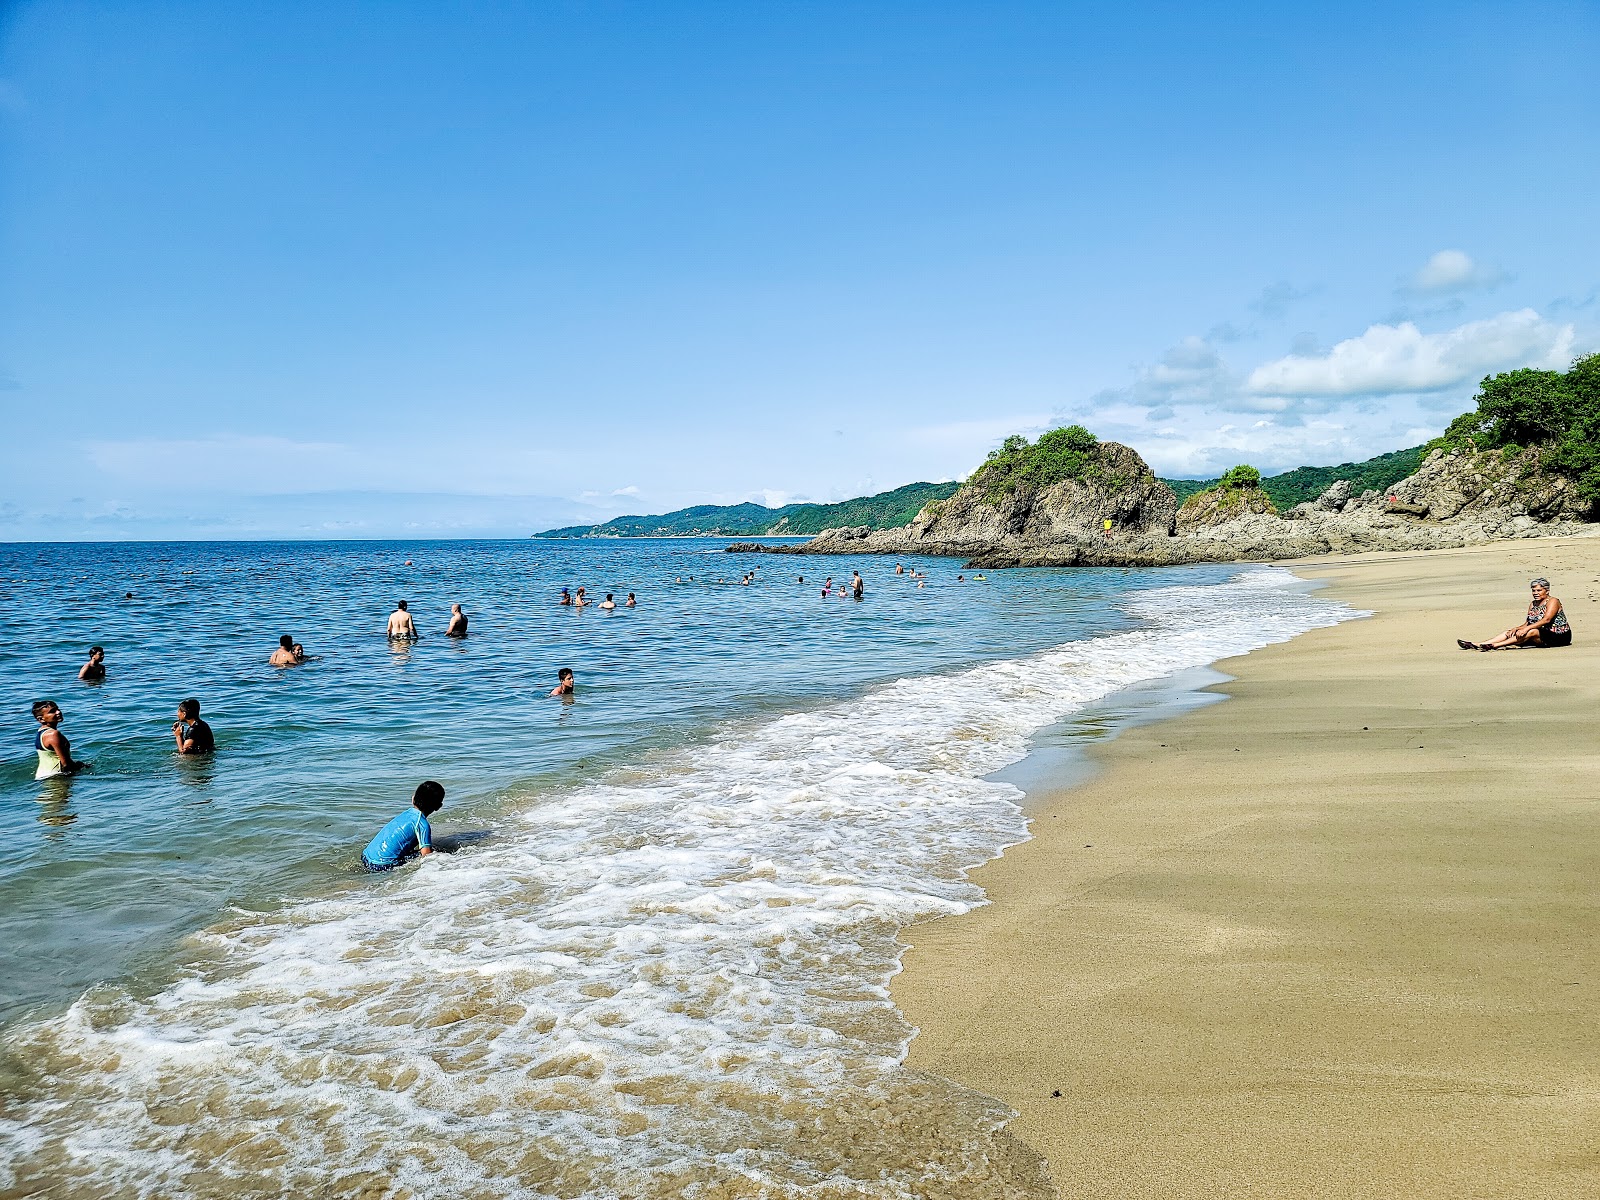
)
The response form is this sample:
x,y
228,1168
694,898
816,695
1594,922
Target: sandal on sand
x,y
1486,649
1466,645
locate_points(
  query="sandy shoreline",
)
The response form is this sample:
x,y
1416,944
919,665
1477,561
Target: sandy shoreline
x,y
1338,936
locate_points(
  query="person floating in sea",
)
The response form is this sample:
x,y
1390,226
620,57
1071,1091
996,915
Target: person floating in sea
x,y
284,656
827,586
899,570
458,623
858,586
401,627
299,653
566,598
55,752
565,685
1546,624
632,603
608,603
192,734
580,600
94,670
408,835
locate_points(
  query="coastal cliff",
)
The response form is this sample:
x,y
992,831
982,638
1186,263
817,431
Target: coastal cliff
x,y
1459,496
1524,463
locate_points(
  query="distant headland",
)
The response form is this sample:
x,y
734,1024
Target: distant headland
x,y
1524,463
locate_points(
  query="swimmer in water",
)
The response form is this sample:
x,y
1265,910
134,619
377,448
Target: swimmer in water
x,y
566,598
458,623
608,603
580,600
192,734
858,586
565,687
283,656
55,752
899,570
299,653
94,670
401,627
631,601
407,835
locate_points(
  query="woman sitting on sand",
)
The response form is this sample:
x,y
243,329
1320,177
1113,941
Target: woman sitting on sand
x,y
1546,624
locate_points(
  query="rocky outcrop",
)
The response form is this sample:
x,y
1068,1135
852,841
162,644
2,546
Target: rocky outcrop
x,y
1220,505
1455,498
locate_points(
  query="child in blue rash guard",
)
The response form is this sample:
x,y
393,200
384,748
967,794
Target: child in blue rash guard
x,y
408,834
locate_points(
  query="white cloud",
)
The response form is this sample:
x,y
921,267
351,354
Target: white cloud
x,y
1453,271
1192,372
1401,358
630,490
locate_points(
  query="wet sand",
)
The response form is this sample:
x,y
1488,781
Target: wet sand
x,y
1338,936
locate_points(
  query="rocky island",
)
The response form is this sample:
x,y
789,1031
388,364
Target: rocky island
x,y
1525,463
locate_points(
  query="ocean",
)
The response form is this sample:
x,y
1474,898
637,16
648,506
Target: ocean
x,y
655,964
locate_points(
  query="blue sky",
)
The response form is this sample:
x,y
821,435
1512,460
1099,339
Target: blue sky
x,y
398,269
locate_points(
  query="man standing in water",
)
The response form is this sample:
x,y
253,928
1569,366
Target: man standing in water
x,y
401,627
858,586
458,622
55,752
94,670
192,734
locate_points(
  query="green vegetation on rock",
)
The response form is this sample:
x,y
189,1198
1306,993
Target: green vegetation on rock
x,y
1238,489
1557,411
1307,483
1061,454
886,510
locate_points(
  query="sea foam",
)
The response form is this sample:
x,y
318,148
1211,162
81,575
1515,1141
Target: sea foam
x,y
672,982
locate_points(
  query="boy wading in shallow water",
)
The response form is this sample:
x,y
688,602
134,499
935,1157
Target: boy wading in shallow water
x,y
408,835
192,734
55,752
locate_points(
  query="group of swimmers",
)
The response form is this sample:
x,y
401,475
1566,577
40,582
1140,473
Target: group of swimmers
x,y
408,834
581,600
191,735
403,837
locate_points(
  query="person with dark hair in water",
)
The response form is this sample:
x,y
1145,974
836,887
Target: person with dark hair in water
x,y
1546,624
94,670
401,627
284,656
55,752
192,734
408,834
564,685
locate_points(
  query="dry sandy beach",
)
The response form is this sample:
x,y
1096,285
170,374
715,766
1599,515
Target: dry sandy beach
x,y
1338,936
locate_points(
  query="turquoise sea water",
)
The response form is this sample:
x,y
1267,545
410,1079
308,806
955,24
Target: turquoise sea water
x,y
102,872
661,949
